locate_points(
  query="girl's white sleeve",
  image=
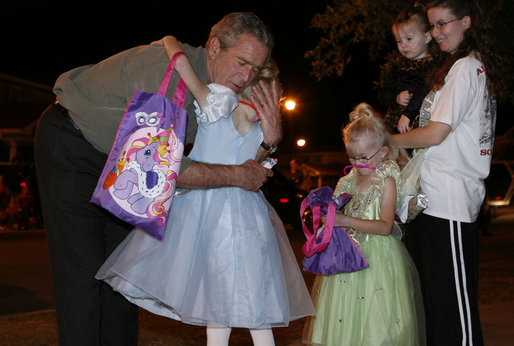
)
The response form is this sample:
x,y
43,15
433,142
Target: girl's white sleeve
x,y
221,101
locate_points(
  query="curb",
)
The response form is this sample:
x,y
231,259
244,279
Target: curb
x,y
17,234
28,314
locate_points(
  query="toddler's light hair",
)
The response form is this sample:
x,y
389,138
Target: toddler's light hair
x,y
416,15
268,74
364,120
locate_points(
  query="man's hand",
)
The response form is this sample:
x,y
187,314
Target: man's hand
x,y
267,103
252,175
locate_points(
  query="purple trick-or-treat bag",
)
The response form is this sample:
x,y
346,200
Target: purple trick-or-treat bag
x,y
328,250
139,179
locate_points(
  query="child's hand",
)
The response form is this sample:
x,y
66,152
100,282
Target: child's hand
x,y
403,124
171,45
403,98
340,220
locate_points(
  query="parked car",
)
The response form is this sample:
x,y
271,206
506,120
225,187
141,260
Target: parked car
x,y
286,199
499,189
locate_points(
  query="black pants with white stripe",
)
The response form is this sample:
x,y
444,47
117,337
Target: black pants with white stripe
x,y
446,255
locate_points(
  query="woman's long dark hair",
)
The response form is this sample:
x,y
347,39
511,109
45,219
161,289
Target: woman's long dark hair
x,y
477,38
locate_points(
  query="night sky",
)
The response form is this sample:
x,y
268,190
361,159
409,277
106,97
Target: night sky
x,y
42,41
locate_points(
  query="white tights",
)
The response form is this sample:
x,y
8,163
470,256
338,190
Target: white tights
x,y
220,336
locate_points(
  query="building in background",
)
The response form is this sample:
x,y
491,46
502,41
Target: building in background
x,y
21,104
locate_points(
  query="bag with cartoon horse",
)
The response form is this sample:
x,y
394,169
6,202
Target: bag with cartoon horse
x,y
139,179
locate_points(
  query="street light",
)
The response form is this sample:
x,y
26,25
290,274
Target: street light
x,y
290,104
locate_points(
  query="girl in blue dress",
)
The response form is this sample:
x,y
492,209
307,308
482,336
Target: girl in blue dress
x,y
226,260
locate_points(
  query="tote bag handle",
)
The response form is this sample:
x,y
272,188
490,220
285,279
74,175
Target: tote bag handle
x,y
313,245
180,92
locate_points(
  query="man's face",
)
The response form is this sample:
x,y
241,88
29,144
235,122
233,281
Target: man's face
x,y
236,67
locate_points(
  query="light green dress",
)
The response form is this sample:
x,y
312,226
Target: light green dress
x,y
380,305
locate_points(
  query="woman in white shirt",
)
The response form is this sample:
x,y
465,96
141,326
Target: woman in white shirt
x,y
461,106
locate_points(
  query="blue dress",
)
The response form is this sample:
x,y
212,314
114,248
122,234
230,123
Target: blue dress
x,y
226,259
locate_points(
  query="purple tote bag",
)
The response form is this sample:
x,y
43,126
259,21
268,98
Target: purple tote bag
x,y
329,250
139,179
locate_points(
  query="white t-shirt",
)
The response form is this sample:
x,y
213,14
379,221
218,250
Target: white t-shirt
x,y
453,172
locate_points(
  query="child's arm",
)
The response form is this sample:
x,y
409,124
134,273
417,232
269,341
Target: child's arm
x,y
186,71
418,95
384,225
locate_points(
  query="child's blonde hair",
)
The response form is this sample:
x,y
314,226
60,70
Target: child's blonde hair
x,y
268,74
364,120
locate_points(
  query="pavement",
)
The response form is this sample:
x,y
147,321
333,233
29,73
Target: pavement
x,y
35,324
